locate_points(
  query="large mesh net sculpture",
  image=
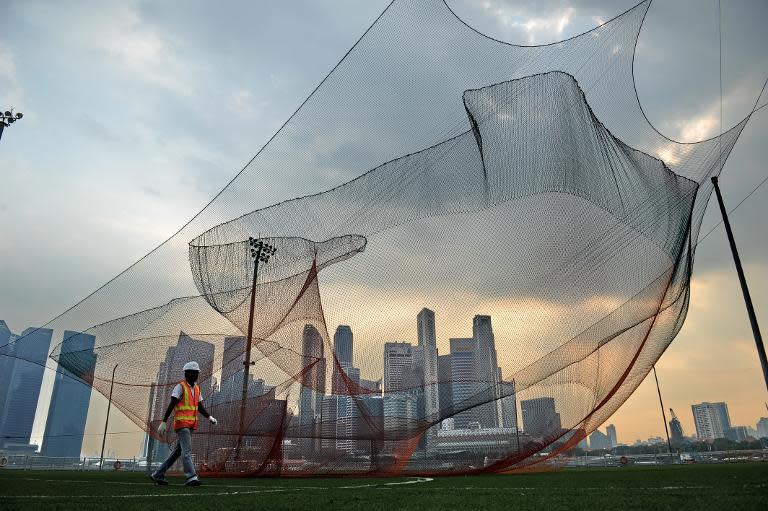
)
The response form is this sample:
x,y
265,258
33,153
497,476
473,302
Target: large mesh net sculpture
x,y
520,193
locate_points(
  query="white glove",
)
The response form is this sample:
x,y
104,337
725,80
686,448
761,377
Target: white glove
x,y
212,419
161,429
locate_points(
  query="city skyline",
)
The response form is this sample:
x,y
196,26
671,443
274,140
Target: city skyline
x,y
710,420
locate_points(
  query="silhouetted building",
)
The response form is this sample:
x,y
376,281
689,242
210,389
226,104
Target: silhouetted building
x,y
398,359
7,359
762,427
463,381
445,386
610,430
737,433
599,440
343,347
540,418
313,378
312,389
24,377
486,372
508,403
71,396
425,324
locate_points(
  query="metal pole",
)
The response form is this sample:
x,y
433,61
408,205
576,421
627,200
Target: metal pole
x,y
247,361
663,413
106,421
2,125
517,423
743,282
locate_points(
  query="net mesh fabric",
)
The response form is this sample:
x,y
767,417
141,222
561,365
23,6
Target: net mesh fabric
x,y
434,167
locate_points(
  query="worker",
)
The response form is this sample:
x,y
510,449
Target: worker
x,y
186,401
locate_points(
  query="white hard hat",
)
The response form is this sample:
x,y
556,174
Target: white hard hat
x,y
191,366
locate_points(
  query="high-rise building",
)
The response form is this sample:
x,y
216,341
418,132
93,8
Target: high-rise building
x,y
343,345
313,378
399,413
425,324
5,333
233,357
486,372
445,387
7,359
611,432
712,420
398,360
374,385
508,403
762,427
71,396
599,440
343,349
540,418
23,388
338,423
463,381
737,433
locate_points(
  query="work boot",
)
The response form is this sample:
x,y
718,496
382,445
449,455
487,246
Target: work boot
x,y
192,481
160,480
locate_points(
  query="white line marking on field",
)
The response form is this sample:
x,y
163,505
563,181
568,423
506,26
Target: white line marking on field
x,y
272,489
139,495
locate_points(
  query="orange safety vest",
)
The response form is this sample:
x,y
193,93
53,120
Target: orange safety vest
x,y
185,411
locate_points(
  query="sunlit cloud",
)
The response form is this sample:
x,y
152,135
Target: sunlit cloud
x,y
536,29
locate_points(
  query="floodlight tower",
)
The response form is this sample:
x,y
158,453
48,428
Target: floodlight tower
x,y
7,118
261,251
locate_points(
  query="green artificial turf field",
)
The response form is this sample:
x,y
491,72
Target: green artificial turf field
x,y
699,487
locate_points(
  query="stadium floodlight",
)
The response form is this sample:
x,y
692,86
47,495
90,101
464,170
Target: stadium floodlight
x,y
7,118
260,251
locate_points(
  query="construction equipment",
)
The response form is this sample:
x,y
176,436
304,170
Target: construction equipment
x,y
676,428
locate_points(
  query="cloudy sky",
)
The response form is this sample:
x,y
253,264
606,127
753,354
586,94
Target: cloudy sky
x,y
137,113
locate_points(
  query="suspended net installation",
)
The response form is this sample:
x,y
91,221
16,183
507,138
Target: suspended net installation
x,y
502,252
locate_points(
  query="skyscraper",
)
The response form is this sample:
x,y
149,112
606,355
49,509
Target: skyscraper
x,y
599,440
540,418
712,420
71,396
343,344
762,427
312,389
23,390
445,387
343,407
486,372
463,380
425,324
508,403
343,348
7,359
398,358
313,379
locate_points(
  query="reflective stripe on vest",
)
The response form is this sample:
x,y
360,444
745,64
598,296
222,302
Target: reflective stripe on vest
x,y
185,411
